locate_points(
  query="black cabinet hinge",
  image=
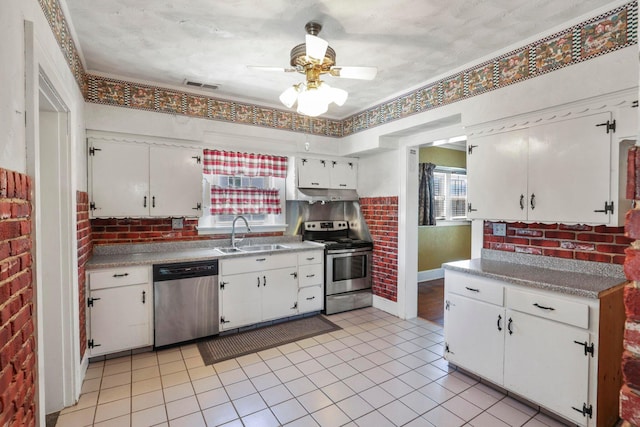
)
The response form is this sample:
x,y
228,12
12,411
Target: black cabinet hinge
x,y
91,344
470,148
224,321
92,206
446,348
634,104
91,300
609,126
222,284
608,208
586,410
198,207
470,209
588,349
197,159
92,150
447,305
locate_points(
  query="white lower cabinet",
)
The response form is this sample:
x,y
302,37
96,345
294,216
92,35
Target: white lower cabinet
x,y
120,310
266,290
475,336
310,281
546,362
559,351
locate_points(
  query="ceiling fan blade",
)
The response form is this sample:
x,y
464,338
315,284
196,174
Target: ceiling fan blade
x,y
362,73
316,47
268,68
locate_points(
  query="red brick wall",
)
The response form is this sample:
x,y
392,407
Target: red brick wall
x,y
85,248
17,342
381,216
150,230
582,242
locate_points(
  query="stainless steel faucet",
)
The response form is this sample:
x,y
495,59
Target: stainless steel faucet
x,y
233,229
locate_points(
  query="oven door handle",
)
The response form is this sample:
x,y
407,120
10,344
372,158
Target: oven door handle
x,y
348,252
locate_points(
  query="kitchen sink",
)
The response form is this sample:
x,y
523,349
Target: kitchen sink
x,y
258,248
253,248
228,250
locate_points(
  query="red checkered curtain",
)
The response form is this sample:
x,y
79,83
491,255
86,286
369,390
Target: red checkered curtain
x,y
238,201
231,163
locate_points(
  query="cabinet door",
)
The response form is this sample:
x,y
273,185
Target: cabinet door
x,y
240,300
119,179
313,173
120,318
279,293
176,181
569,170
344,175
542,355
496,176
310,299
474,336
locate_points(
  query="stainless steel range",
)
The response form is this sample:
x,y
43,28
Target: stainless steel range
x,y
348,263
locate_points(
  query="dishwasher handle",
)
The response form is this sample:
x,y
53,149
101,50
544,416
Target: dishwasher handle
x,y
184,270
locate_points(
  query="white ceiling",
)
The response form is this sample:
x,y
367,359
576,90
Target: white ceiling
x,y
213,41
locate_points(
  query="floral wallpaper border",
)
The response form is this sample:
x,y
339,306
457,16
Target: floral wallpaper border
x,y
595,37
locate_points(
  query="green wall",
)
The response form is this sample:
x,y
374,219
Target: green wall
x,y
440,244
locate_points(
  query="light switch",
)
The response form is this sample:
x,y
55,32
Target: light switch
x,y
499,229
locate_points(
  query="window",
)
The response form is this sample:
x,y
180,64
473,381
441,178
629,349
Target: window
x,y
450,193
251,185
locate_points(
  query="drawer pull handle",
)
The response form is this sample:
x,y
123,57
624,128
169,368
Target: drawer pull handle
x,y
144,297
121,275
509,326
311,275
261,259
542,307
499,319
309,299
472,289
311,259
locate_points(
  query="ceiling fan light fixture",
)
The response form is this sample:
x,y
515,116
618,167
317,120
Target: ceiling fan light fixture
x,y
310,103
289,96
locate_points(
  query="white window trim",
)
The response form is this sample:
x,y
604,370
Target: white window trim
x,y
448,221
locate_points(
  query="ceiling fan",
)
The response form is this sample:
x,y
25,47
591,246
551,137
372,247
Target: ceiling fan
x,y
313,59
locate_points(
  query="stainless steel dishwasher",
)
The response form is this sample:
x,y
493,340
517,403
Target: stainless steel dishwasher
x,y
185,301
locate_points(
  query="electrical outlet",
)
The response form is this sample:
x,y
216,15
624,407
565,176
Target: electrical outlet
x,y
499,229
177,223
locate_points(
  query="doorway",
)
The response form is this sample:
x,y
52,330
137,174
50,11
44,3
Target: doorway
x,y
444,234
54,247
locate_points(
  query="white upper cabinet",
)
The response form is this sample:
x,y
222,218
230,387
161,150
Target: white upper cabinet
x,y
326,173
131,179
119,179
496,178
313,173
568,168
176,181
344,174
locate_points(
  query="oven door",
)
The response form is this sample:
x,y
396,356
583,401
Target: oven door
x,y
348,270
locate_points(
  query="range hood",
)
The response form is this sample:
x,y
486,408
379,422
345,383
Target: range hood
x,y
313,195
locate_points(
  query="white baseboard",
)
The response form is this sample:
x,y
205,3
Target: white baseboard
x,y
385,305
436,273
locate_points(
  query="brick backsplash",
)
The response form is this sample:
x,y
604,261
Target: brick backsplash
x,y
381,216
85,249
17,342
581,242
151,230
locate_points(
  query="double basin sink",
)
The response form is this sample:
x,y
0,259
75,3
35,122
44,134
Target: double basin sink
x,y
252,248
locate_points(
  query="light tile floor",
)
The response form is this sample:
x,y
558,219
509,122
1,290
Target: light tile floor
x,y
377,371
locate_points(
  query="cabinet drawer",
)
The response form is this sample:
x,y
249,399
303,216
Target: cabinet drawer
x,y
475,287
310,299
309,275
314,257
549,307
115,277
258,262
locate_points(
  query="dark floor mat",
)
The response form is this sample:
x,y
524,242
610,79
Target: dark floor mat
x,y
231,346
